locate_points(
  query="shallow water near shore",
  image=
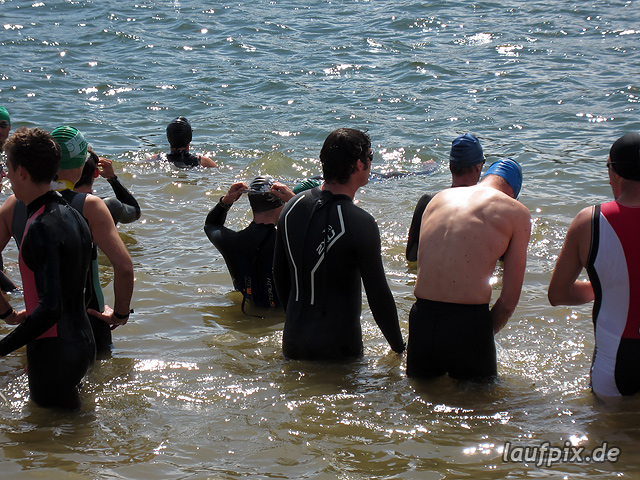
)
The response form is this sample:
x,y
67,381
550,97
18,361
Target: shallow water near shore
x,y
197,390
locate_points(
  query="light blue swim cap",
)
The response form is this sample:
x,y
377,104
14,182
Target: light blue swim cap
x,y
510,170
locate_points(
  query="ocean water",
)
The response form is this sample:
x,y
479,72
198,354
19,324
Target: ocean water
x,y
196,389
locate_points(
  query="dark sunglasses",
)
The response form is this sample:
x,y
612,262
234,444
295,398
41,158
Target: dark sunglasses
x,y
4,124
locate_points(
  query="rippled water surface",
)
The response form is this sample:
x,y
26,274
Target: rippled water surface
x,y
197,390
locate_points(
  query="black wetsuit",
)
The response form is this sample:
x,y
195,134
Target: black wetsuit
x,y
325,246
181,159
414,229
93,291
55,252
123,207
248,255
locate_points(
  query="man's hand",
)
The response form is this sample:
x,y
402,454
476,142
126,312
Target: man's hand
x,y
105,168
234,193
108,317
16,318
281,191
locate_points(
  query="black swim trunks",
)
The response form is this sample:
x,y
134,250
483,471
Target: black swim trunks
x,y
451,338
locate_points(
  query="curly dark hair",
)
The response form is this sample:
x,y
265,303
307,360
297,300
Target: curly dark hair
x,y
35,150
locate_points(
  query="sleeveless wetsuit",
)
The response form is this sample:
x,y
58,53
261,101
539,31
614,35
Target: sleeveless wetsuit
x,y
414,229
55,251
325,248
123,207
450,338
181,159
93,291
248,255
614,270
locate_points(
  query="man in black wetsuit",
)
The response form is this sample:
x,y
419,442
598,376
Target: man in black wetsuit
x,y
326,247
249,252
465,163
55,251
179,134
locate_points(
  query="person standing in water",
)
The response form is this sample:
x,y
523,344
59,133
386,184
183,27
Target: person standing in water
x,y
326,248
55,252
605,240
464,232
179,135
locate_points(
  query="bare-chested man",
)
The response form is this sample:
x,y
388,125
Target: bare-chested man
x,y
464,232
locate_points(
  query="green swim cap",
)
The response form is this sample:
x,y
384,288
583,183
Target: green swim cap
x,y
306,184
73,147
4,115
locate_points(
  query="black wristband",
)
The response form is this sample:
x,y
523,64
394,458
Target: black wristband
x,y
112,179
122,317
6,314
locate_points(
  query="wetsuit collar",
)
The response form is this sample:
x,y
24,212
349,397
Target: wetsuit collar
x,y
41,200
61,185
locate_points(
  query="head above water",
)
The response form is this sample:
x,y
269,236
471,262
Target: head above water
x,y
340,153
510,171
179,132
466,151
624,156
35,150
260,196
73,147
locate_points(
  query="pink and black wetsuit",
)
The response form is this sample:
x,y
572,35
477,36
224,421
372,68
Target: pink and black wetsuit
x,y
55,252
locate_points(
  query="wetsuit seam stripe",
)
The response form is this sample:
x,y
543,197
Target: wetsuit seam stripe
x,y
286,234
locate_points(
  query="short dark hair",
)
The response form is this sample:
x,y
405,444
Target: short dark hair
x,y
340,153
36,151
89,169
458,170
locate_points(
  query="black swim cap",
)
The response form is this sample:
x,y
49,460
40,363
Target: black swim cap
x,y
179,132
260,196
625,156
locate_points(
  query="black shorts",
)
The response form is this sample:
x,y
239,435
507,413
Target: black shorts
x,y
451,338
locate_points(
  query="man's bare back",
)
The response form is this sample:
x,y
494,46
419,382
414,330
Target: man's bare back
x,y
464,232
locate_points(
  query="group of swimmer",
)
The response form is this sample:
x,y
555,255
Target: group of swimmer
x,y
309,250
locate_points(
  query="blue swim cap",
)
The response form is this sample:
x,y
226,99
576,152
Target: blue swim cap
x,y
466,151
510,170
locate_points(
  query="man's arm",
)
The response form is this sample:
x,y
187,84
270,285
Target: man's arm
x,y
207,162
381,301
565,288
515,262
216,217
105,235
126,210
281,275
414,229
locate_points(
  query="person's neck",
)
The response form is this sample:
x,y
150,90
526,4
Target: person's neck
x,y
270,217
181,149
629,194
83,189
349,189
464,180
33,192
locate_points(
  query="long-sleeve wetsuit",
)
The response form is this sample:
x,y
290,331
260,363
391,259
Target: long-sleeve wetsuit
x,y
326,248
55,251
248,255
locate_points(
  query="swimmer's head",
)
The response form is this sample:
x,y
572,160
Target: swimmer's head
x,y
306,184
179,132
90,170
73,147
35,150
4,116
260,196
624,156
509,170
466,151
